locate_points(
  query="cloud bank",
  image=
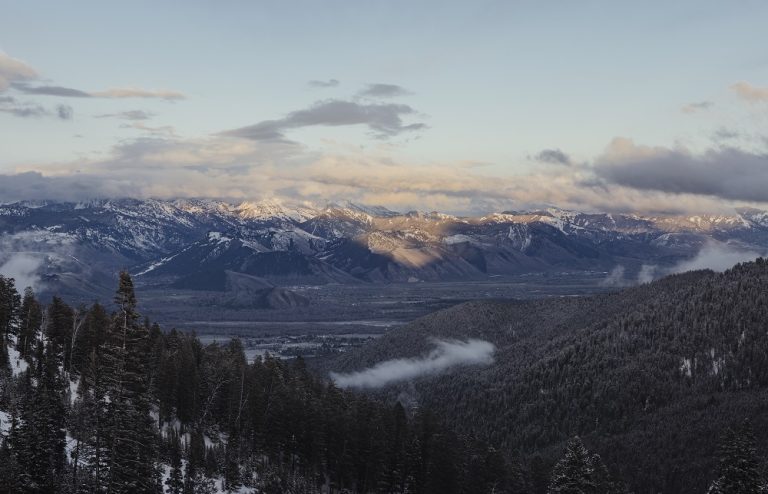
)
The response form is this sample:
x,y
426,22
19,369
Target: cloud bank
x,y
446,354
260,161
727,173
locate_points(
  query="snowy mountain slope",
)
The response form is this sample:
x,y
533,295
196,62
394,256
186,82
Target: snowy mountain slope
x,y
166,240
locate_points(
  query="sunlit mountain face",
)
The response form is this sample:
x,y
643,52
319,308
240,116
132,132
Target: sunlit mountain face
x,y
170,241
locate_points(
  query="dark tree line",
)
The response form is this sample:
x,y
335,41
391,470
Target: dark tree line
x,y
101,401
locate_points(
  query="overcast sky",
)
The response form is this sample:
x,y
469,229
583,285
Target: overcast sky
x,y
456,106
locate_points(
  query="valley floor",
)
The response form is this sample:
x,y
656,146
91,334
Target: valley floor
x,y
339,317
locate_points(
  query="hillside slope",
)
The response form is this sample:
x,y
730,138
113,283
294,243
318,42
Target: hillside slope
x,y
649,376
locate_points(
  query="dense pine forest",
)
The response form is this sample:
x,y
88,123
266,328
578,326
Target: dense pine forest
x,y
97,399
649,377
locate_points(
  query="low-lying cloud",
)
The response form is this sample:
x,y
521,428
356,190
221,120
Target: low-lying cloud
x,y
713,255
76,187
24,268
716,256
446,354
616,278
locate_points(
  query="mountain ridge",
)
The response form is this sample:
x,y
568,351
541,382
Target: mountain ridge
x,y
348,242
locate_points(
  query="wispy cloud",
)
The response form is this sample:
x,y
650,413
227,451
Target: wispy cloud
x,y
445,355
139,93
161,130
65,92
14,70
65,112
26,109
380,90
114,93
696,107
554,156
384,120
750,93
128,115
323,84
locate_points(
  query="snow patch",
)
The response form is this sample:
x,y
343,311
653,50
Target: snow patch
x,y
18,364
685,367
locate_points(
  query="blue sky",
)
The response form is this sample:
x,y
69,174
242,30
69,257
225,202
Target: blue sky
x,y
475,92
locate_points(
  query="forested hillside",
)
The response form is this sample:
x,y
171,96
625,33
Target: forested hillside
x,y
659,387
95,400
649,377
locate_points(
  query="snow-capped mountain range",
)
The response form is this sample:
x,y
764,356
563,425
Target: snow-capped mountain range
x,y
176,241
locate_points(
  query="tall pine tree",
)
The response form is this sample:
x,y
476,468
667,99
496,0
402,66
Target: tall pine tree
x,y
739,470
131,434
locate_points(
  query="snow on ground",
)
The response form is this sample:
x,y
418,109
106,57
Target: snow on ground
x,y
18,364
74,394
5,424
241,490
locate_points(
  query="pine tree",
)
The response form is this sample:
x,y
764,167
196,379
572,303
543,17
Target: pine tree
x,y
539,475
200,484
175,481
10,302
517,482
39,439
59,329
31,319
195,461
94,404
10,470
738,471
130,430
5,363
573,473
